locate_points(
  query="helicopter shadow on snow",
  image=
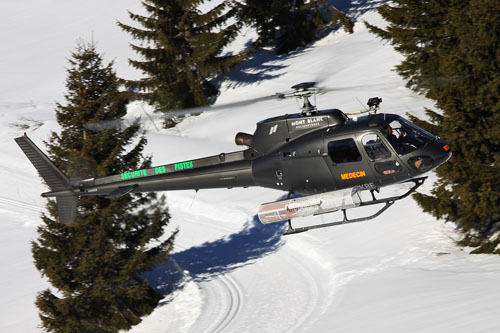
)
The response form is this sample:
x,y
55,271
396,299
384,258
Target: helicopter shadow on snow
x,y
212,259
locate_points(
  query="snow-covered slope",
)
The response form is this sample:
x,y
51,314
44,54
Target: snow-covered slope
x,y
399,272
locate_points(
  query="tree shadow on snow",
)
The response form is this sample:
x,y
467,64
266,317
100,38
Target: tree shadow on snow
x,y
264,64
355,8
211,259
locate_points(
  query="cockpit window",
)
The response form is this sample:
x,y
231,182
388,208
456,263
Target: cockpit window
x,y
418,130
374,147
406,137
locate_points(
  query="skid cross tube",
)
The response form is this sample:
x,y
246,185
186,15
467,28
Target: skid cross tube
x,y
388,202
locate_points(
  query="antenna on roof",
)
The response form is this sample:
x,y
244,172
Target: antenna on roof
x,y
373,107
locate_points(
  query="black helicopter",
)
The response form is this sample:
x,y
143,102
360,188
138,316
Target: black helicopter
x,y
324,156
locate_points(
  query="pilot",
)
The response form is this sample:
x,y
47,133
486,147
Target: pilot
x,y
402,134
388,133
399,144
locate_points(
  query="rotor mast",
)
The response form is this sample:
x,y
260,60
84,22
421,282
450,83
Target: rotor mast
x,y
303,91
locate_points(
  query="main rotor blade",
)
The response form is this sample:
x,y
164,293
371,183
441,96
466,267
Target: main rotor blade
x,y
328,89
170,114
103,125
115,123
202,109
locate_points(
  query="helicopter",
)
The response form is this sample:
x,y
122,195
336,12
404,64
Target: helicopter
x,y
323,159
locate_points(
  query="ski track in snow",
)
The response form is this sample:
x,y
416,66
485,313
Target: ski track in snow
x,y
296,301
223,302
290,286
223,297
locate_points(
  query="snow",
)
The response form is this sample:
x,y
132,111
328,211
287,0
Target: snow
x,y
399,272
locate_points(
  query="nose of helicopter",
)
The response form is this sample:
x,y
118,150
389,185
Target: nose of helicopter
x,y
431,156
443,153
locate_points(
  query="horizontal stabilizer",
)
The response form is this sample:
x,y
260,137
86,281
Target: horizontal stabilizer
x,y
121,191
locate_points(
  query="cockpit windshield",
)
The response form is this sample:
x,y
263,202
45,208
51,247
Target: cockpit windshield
x,y
406,137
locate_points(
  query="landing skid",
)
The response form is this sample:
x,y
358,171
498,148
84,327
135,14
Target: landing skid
x,y
388,202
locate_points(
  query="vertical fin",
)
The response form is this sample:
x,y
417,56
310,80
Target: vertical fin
x,y
66,208
53,177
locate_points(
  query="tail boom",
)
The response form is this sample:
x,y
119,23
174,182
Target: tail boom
x,y
205,173
218,171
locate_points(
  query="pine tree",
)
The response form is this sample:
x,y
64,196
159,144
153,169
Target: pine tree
x,y
452,53
95,265
287,25
182,52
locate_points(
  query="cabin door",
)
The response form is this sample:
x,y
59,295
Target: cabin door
x,y
348,166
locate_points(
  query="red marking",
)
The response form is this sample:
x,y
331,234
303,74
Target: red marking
x,y
446,147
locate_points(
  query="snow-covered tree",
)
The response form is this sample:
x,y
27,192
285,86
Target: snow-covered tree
x,y
452,52
289,24
95,265
181,52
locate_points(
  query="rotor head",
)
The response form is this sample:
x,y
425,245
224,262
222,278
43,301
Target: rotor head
x,y
303,91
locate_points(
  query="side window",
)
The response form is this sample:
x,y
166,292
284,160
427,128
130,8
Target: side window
x,y
344,151
374,147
